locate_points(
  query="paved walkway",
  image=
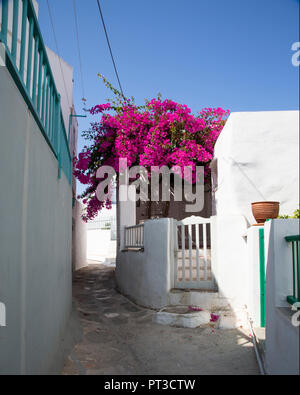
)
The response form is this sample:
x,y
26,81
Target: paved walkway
x,y
118,337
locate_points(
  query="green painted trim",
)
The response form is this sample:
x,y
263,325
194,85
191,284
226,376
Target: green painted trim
x,y
262,278
51,114
22,88
34,77
29,56
292,238
15,30
59,166
65,136
47,106
4,22
44,113
20,84
58,123
23,38
69,128
43,95
292,300
296,268
40,82
31,13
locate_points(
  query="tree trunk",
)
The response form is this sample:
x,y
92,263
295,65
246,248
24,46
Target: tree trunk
x,y
167,209
149,209
149,203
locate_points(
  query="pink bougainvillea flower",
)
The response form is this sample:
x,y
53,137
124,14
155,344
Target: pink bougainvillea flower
x,y
161,133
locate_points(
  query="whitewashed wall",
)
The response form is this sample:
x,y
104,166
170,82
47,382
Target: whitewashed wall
x,y
35,241
252,284
231,271
146,276
282,338
101,242
257,158
100,247
79,237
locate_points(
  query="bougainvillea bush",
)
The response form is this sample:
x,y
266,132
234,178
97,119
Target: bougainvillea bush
x,y
160,133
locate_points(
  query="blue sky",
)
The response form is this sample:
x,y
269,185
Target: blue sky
x,y
204,53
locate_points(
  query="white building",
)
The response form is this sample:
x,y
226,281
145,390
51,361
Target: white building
x,y
256,159
102,235
36,208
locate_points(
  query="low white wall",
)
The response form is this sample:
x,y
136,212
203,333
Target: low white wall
x,y
231,271
282,338
237,271
79,234
146,276
253,275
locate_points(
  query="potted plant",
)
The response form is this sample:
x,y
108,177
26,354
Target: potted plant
x,y
264,210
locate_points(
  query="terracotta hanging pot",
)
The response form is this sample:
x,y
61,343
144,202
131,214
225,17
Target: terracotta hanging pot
x,y
264,210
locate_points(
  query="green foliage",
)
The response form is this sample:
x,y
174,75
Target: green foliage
x,y
296,215
117,104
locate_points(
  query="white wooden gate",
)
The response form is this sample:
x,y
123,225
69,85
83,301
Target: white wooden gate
x,y
193,254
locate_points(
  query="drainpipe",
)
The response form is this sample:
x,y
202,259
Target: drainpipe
x,y
258,357
75,116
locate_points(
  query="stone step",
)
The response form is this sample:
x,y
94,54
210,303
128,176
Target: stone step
x,y
184,316
207,300
181,316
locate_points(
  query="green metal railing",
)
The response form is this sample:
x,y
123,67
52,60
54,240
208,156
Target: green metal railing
x,y
29,65
262,271
294,240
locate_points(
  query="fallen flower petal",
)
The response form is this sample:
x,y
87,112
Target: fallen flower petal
x,y
214,317
195,308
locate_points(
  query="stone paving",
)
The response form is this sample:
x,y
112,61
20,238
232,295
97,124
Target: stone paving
x,y
118,337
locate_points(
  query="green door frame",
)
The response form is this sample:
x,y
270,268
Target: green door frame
x,y
262,277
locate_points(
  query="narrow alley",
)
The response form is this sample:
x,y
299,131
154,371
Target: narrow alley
x,y
117,337
149,209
